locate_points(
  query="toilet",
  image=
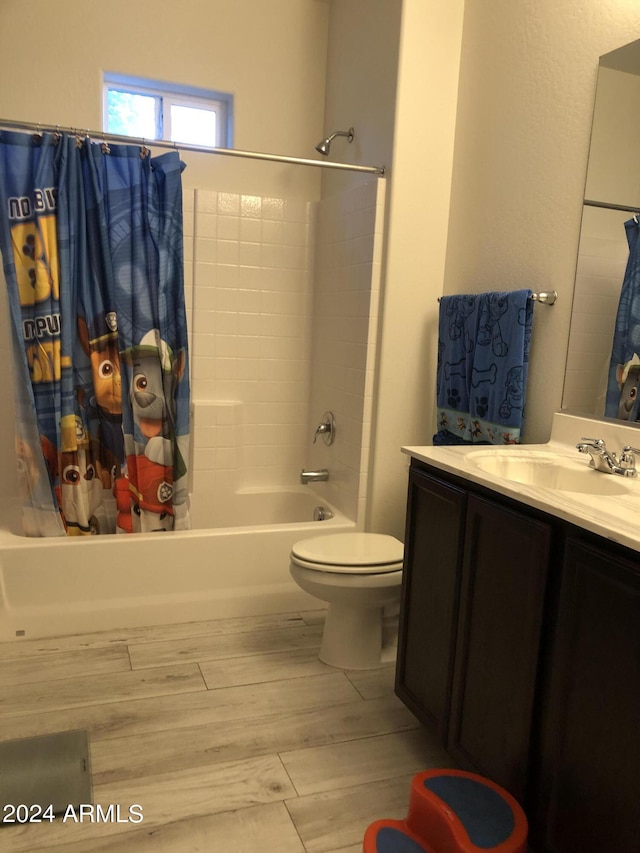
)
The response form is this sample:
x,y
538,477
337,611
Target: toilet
x,y
359,575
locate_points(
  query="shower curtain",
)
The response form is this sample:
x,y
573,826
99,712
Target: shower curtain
x,y
622,400
91,242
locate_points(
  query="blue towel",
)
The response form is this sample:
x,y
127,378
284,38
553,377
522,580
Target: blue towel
x,y
483,354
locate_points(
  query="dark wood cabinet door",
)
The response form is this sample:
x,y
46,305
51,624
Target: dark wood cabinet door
x,y
428,618
505,568
592,743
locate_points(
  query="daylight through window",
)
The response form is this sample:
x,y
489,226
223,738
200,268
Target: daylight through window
x,y
151,110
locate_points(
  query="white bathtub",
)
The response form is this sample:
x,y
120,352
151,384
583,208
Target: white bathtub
x,y
69,585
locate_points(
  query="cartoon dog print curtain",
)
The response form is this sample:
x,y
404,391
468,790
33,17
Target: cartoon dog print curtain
x,y
623,379
91,241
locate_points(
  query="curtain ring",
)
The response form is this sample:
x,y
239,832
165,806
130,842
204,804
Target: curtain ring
x,y
144,151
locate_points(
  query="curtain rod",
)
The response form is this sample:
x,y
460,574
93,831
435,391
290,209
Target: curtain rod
x,y
99,136
590,203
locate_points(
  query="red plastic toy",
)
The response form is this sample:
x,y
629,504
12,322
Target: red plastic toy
x,y
452,811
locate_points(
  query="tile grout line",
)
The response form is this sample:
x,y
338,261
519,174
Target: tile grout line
x,y
204,680
293,823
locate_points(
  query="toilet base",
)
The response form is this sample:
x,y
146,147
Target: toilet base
x,y
353,637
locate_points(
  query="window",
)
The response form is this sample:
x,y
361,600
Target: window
x,y
150,110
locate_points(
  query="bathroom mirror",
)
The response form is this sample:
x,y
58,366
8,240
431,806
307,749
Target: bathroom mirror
x,y
612,196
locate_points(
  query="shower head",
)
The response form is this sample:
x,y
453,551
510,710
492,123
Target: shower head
x,y
324,146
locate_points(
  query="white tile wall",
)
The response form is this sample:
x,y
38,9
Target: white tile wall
x,y
283,298
250,333
188,231
345,329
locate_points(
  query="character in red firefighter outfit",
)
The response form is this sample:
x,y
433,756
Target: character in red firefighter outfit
x,y
144,497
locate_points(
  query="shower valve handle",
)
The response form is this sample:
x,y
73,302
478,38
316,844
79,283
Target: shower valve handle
x,y
326,429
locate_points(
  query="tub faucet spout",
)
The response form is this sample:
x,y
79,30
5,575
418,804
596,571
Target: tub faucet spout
x,y
313,476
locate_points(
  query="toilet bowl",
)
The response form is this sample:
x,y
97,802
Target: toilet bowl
x,y
359,575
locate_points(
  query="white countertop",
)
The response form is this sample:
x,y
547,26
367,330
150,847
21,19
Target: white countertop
x,y
615,517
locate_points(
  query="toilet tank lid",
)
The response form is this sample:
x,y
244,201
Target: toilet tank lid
x,y
350,549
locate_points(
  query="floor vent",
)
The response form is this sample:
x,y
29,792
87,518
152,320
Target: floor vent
x,y
43,776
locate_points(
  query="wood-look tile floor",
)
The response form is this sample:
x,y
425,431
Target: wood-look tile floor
x,y
230,735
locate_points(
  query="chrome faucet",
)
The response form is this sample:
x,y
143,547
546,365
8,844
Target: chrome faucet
x,y
313,476
606,461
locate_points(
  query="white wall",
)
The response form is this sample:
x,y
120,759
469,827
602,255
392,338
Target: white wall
x,y
270,56
614,139
361,82
527,86
420,181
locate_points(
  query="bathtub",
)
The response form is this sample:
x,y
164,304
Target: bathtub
x,y
65,585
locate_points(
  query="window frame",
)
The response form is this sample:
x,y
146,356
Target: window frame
x,y
173,94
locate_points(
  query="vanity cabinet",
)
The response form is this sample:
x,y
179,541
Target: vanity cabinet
x,y
590,780
470,627
520,642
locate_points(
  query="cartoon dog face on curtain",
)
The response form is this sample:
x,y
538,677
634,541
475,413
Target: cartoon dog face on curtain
x,y
154,461
99,342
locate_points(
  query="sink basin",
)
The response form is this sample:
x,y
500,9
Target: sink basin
x,y
548,471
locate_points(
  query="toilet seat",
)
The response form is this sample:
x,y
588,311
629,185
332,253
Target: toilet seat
x,y
350,553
